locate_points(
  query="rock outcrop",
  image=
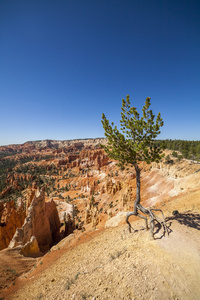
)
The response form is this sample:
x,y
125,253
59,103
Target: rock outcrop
x,y
10,219
86,159
95,158
42,222
64,209
112,186
92,214
14,179
31,248
127,197
69,223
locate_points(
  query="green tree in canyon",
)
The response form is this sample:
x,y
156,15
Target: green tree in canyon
x,y
132,144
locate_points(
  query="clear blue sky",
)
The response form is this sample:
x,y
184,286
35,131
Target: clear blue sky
x,y
64,62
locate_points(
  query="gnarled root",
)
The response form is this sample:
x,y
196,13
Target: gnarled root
x,y
149,212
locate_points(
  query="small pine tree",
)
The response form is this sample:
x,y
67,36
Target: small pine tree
x,y
134,143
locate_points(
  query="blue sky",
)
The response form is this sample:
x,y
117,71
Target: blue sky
x,y
63,63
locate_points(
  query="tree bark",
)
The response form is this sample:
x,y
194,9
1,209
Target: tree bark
x,y
137,200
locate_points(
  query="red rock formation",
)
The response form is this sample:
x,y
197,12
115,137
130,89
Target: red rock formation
x,y
6,191
91,213
86,159
31,248
11,218
1,208
127,197
95,158
42,222
69,223
29,197
53,217
16,177
112,186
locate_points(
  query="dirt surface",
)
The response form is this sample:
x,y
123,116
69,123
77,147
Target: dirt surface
x,y
114,264
13,265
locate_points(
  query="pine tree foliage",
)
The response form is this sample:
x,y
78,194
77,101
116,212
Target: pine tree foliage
x,y
188,149
134,142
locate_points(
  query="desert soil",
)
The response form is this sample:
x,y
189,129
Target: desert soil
x,y
115,264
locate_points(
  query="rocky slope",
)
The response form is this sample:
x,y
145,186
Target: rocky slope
x,y
114,264
79,187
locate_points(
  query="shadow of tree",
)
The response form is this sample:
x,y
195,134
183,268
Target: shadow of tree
x,y
188,219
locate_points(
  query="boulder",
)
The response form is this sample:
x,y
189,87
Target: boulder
x,y
31,248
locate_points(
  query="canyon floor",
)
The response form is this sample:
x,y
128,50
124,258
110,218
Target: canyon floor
x,y
111,263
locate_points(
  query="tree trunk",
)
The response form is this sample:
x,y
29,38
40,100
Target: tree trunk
x,y
137,200
149,212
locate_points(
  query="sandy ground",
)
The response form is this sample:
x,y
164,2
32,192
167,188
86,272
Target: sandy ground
x,y
114,264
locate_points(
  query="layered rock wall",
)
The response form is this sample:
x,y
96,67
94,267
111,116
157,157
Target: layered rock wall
x,y
10,219
42,222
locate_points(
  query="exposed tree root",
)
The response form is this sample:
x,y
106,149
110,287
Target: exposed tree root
x,y
149,212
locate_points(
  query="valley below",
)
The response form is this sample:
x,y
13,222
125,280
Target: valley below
x,y
63,233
